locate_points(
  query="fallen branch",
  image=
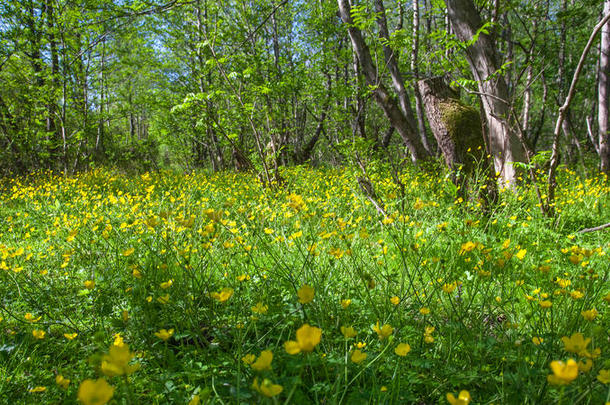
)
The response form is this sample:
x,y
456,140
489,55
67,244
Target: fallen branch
x,y
597,228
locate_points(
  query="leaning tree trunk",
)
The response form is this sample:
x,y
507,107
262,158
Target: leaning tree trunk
x,y
604,94
504,144
382,95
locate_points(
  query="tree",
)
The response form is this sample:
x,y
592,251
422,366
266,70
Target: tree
x,y
493,90
604,94
403,123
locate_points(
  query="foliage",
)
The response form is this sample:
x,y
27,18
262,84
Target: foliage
x,y
170,288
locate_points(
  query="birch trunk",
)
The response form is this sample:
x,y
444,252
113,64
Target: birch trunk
x,y
604,94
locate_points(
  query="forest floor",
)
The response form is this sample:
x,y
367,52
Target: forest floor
x,y
208,288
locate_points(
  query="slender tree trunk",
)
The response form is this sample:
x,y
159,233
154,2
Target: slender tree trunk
x,y
403,126
419,109
483,59
391,60
604,94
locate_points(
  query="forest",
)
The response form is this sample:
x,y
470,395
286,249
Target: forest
x,y
287,201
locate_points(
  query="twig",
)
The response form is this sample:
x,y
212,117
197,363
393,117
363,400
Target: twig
x,y
597,228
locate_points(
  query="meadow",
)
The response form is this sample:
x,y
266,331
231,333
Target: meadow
x,y
210,288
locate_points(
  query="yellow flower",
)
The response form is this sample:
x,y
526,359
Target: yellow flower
x,y
164,299
248,358
462,399
576,343
358,356
97,392
585,365
402,349
164,334
118,340
428,338
38,389
166,284
116,362
196,400
590,314
308,337
563,373
125,315
223,295
345,303
267,388
546,304
38,334
128,252
30,318
383,332
448,288
70,336
348,332
424,311
604,376
521,254
263,362
260,308
467,247
62,381
305,294
537,340
89,284
395,300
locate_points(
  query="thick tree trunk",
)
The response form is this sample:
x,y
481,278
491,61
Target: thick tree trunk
x,y
604,94
503,142
456,127
397,118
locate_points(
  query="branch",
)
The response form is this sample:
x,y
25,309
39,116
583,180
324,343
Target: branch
x,y
597,228
552,181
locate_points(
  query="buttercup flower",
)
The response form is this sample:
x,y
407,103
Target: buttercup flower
x,y
462,399
384,331
345,303
563,373
116,362
164,334
305,294
62,381
38,334
97,392
348,332
402,349
267,388
358,356
308,337
576,343
590,314
223,295
263,362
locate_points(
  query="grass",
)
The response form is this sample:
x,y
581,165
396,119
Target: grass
x,y
172,288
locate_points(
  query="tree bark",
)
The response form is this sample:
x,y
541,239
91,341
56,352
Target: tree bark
x,y
604,94
419,109
483,60
380,92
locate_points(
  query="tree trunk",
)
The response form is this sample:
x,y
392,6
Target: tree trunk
x,y
604,94
419,109
503,142
456,127
397,118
